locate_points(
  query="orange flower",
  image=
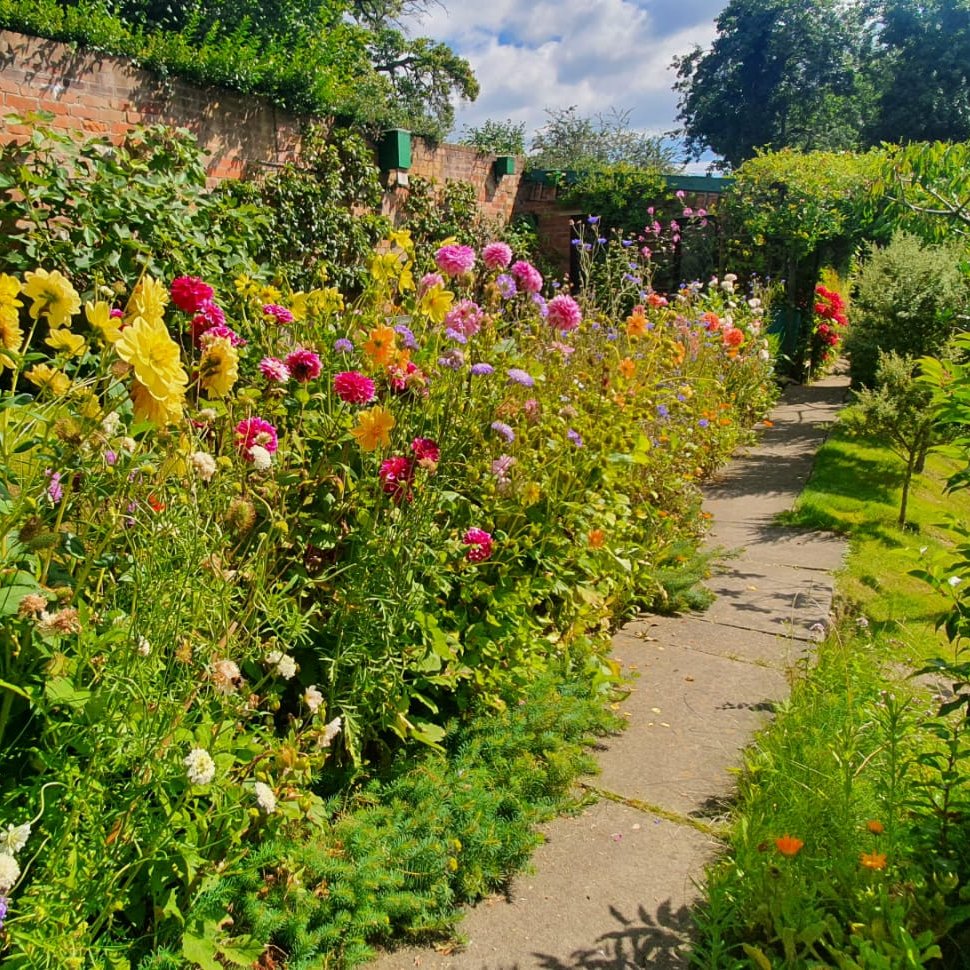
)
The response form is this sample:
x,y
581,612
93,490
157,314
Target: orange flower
x,y
678,353
373,428
636,323
379,346
788,845
875,826
596,538
656,300
872,860
711,320
627,368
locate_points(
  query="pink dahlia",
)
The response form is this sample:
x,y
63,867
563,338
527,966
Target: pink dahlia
x,y
480,543
426,452
527,276
303,364
497,255
220,330
455,260
255,431
734,337
428,281
189,293
278,313
564,313
353,387
273,369
465,318
396,475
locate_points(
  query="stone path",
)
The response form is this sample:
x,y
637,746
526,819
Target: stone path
x,y
612,887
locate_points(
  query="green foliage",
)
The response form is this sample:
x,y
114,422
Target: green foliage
x,y
909,298
398,856
321,58
619,194
897,409
495,137
105,213
436,212
575,142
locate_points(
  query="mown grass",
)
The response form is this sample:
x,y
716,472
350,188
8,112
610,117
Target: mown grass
x,y
846,767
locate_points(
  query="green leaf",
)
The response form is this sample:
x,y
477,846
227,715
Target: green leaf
x,y
61,692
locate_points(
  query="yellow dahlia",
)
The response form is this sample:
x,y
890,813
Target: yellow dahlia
x,y
99,316
52,295
219,367
154,356
72,344
48,378
148,300
11,336
160,412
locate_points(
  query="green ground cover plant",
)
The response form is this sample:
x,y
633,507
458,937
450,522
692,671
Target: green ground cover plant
x,y
847,847
259,543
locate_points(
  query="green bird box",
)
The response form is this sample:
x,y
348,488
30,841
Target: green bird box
x,y
504,165
395,149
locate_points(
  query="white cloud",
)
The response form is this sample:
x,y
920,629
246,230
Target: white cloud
x,y
595,54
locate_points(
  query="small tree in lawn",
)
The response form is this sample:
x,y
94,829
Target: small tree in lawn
x,y
898,409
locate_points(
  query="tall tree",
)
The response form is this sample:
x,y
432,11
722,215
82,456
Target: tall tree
x,y
779,73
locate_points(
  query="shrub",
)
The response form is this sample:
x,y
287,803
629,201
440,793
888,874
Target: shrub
x,y
909,298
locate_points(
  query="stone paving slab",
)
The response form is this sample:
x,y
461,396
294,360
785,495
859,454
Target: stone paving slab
x,y
689,714
749,540
611,889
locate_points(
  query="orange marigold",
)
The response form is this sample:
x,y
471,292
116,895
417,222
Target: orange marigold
x,y
636,323
875,826
872,860
596,538
380,347
788,845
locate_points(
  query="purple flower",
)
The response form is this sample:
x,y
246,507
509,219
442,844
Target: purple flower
x,y
3,910
703,423
55,491
662,411
592,220
343,346
502,466
408,340
456,335
482,369
110,457
453,359
521,377
575,437
506,286
500,427
540,303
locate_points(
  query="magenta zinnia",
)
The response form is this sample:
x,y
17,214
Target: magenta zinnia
x,y
278,313
455,260
303,364
425,450
564,313
189,293
396,475
255,431
273,369
480,543
353,387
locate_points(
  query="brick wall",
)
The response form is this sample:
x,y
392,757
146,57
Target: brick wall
x,y
99,94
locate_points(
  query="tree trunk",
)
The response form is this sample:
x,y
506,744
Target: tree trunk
x,y
910,466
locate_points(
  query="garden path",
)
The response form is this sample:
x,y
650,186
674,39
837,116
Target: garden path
x,y
612,887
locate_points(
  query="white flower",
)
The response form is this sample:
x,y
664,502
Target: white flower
x,y
204,465
9,872
265,797
200,767
331,731
144,646
285,665
754,303
226,676
954,581
15,838
129,445
262,460
313,698
110,422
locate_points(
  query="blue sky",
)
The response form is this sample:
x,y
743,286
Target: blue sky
x,y
595,54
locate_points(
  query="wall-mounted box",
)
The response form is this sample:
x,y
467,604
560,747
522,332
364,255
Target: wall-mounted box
x,y
504,165
394,150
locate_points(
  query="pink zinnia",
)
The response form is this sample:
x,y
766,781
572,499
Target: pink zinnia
x,y
189,293
353,387
255,431
279,313
428,281
220,330
480,542
426,452
396,475
466,318
497,255
274,369
455,260
303,364
564,313
527,276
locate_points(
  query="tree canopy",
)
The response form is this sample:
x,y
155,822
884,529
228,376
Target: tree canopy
x,y
827,75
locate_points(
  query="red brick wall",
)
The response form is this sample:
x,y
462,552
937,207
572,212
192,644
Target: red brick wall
x,y
98,94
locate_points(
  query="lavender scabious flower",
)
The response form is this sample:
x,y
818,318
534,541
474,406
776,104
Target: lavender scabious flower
x,y
506,286
3,910
482,369
453,359
575,437
459,338
521,377
662,411
500,427
408,341
55,491
343,346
